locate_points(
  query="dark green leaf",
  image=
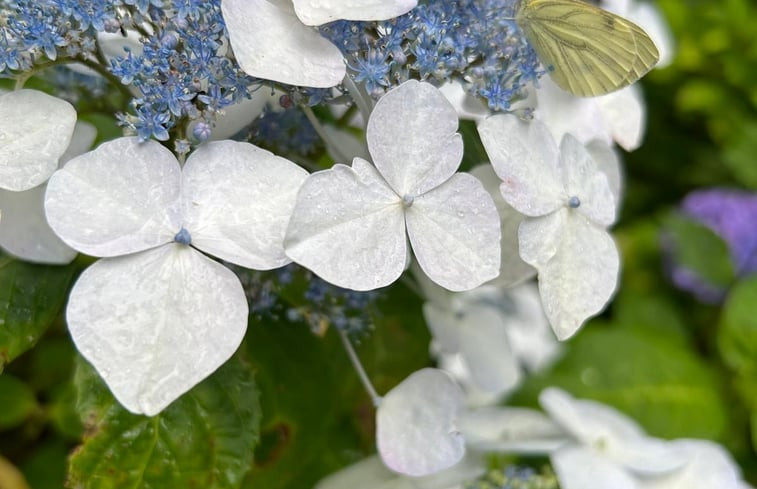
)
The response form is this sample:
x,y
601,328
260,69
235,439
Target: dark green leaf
x,y
204,440
17,401
737,335
30,298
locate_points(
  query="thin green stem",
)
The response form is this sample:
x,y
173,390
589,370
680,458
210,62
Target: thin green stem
x,y
375,398
324,135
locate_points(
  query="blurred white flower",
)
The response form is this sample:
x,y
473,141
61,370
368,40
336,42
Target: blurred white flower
x,y
24,232
275,40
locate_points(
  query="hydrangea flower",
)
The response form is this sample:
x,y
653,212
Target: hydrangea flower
x,y
351,224
35,130
155,316
274,40
416,424
570,204
487,336
24,231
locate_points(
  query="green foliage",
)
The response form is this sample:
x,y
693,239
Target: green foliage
x,y
17,401
737,335
30,298
204,440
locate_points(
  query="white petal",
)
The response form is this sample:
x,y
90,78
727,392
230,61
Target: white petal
x,y
343,145
317,12
608,162
156,323
516,430
593,424
236,117
237,202
24,232
486,350
412,138
454,230
580,468
120,198
415,424
565,113
270,42
584,181
467,106
35,129
709,466
649,456
443,324
512,269
369,473
625,114
348,227
581,275
525,157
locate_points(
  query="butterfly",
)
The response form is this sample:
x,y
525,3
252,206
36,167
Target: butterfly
x,y
587,51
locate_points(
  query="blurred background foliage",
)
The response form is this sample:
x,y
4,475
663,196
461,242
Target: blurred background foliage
x,y
680,367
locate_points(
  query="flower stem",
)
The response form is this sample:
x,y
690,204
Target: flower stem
x,y
321,131
375,398
362,100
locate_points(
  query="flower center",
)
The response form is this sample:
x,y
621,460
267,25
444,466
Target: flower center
x,y
574,202
407,201
183,237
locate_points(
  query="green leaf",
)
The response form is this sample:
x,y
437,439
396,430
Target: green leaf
x,y
205,439
17,401
739,155
30,298
699,249
660,383
737,334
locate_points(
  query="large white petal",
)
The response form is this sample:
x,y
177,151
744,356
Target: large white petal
x,y
270,42
156,323
444,326
120,198
35,130
348,227
467,106
625,113
237,200
517,430
24,231
709,466
580,468
608,162
412,138
584,181
512,269
582,273
525,157
454,230
317,12
416,429
563,113
369,473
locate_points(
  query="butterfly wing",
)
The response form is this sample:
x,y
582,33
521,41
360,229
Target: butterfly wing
x,y
588,51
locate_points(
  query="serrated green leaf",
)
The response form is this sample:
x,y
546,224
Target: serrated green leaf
x,y
17,401
737,334
30,299
660,383
699,249
204,440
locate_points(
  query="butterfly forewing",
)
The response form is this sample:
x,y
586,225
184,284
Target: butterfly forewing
x,y
587,50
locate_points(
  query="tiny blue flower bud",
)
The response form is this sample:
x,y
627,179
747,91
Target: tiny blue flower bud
x,y
183,237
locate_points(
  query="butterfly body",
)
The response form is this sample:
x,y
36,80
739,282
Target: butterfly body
x,y
587,51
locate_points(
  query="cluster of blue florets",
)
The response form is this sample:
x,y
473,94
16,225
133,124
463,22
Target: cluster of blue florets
x,y
473,41
515,477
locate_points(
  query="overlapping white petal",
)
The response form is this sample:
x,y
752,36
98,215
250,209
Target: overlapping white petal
x,y
317,12
157,320
156,323
518,430
565,237
349,223
220,180
416,430
24,231
273,40
35,130
120,198
579,468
